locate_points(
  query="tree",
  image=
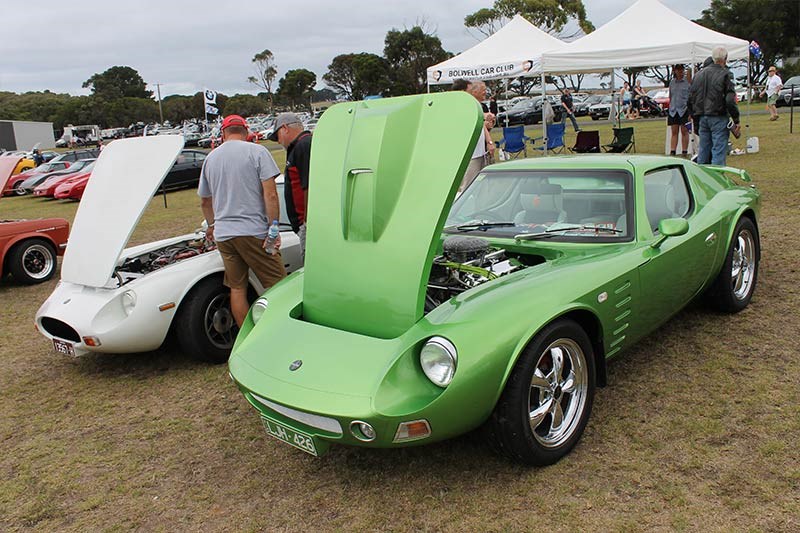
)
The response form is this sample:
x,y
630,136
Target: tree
x,y
118,82
662,74
266,71
409,53
295,84
550,15
355,76
772,23
244,105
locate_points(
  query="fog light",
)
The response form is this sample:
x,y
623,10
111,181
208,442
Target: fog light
x,y
91,341
257,311
362,431
414,430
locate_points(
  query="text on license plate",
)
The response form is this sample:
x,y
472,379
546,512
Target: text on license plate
x,y
63,347
290,436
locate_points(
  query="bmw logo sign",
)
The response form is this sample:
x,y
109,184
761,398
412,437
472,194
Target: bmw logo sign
x,y
295,365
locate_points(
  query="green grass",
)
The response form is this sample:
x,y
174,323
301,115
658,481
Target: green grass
x,y
698,429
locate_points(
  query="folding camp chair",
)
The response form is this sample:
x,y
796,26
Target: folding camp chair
x,y
555,138
513,141
623,141
587,142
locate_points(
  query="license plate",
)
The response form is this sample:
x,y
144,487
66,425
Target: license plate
x,y
63,347
290,436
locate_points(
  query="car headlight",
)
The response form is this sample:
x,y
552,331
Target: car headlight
x,y
128,301
258,309
438,359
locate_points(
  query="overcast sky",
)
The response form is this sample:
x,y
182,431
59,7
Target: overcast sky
x,y
187,46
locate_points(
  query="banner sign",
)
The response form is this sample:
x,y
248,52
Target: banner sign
x,y
443,74
210,97
211,110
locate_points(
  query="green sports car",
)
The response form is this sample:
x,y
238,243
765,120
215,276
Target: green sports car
x,y
421,315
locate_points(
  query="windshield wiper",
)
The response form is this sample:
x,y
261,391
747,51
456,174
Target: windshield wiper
x,y
552,232
482,225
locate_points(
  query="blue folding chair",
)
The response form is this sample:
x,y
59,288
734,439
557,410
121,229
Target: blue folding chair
x,y
555,138
514,141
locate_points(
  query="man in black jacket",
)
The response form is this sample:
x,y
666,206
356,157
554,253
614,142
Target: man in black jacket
x,y
712,99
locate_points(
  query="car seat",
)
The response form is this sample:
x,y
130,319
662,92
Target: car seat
x,y
541,203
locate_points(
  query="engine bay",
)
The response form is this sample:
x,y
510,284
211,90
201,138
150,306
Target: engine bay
x,y
467,262
139,265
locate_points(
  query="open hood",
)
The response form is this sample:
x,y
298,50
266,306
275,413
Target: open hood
x,y
7,166
124,179
384,174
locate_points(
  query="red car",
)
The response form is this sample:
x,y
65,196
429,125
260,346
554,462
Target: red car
x,y
72,188
48,187
28,248
16,180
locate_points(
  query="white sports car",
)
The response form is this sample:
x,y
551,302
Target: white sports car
x,y
116,300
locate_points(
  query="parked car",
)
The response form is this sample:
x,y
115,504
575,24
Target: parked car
x,y
48,187
75,155
116,300
528,111
24,182
582,108
661,97
28,248
73,187
24,163
785,94
601,109
396,334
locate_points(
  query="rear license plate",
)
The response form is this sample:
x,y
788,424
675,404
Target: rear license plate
x,y
290,436
63,347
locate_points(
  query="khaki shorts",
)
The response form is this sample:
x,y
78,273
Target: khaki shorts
x,y
241,254
772,100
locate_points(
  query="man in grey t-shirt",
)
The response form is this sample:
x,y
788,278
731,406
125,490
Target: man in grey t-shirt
x,y
678,110
239,200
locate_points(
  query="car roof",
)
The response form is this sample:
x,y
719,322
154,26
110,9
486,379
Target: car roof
x,y
583,161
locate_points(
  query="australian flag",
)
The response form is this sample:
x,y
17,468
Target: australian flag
x,y
755,49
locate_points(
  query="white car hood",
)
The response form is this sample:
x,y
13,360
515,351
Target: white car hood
x,y
7,166
124,179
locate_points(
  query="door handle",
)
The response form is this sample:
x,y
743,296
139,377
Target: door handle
x,y
712,238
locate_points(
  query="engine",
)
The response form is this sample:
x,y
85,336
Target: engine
x,y
466,262
138,266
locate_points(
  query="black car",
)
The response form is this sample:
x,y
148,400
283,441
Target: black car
x,y
75,155
186,170
529,112
785,95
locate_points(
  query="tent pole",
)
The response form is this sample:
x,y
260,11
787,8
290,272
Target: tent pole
x,y
429,86
505,99
749,100
544,122
613,110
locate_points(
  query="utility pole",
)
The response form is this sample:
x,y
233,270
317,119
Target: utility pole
x,y
160,111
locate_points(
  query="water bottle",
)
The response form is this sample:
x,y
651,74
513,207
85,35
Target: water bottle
x,y
272,236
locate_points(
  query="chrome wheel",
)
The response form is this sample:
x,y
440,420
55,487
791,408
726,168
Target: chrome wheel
x,y
743,265
19,191
558,392
37,261
220,327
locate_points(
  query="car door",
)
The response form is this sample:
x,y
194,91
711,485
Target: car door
x,y
672,273
176,177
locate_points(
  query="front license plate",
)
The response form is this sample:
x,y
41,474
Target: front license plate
x,y
290,436
63,347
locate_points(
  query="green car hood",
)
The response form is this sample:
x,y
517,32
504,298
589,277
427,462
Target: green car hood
x,y
384,175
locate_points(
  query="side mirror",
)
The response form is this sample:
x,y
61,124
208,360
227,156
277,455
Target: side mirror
x,y
671,227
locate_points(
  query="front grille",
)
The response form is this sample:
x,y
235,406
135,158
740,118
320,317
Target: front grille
x,y
60,329
315,421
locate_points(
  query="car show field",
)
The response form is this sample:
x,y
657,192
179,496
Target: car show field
x,y
696,429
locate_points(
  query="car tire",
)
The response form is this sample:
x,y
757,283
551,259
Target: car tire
x,y
595,118
204,323
735,284
522,426
32,261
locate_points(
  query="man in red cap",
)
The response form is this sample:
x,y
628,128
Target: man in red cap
x,y
239,200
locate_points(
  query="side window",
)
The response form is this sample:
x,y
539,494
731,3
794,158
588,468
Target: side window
x,y
666,195
199,157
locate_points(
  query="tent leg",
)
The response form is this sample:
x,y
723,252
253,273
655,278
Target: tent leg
x,y
505,99
544,122
429,87
612,113
749,101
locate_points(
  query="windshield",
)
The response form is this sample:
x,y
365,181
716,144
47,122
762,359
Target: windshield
x,y
794,80
590,205
525,104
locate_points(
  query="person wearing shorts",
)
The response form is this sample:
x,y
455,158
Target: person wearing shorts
x,y
239,199
772,90
678,114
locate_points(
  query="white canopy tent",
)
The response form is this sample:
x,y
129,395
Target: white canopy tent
x,y
511,52
646,34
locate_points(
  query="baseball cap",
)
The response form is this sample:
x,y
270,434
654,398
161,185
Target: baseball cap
x,y
283,119
233,120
